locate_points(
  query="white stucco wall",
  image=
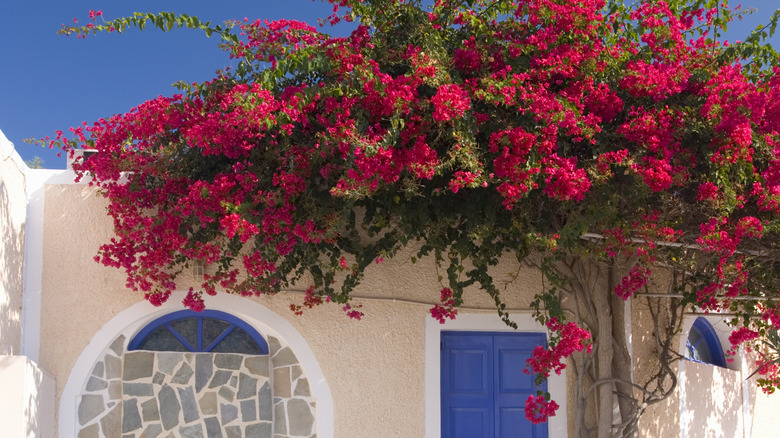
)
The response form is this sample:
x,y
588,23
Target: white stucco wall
x,y
13,204
27,401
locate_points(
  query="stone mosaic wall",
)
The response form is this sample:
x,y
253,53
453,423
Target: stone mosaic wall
x,y
142,394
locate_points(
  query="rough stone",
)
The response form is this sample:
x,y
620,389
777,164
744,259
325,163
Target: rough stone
x,y
149,410
90,407
91,431
259,430
115,390
194,431
229,413
220,378
169,407
247,386
264,402
284,357
138,365
167,361
188,405
228,361
138,389
183,376
233,432
295,372
248,411
282,382
98,370
280,419
151,431
111,423
213,429
273,345
227,394
208,403
113,367
204,367
118,346
257,365
131,419
159,378
300,417
302,388
96,384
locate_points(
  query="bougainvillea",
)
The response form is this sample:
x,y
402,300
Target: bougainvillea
x,y
628,135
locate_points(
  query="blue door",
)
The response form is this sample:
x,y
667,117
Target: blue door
x,y
483,387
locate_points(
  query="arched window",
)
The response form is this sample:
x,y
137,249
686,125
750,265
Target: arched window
x,y
209,331
703,344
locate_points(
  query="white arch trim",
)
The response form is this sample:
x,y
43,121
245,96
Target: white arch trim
x,y
132,319
556,384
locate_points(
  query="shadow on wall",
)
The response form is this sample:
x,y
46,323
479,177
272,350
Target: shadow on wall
x,y
11,262
713,403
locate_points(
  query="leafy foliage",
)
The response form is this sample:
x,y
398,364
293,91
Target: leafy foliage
x,y
475,130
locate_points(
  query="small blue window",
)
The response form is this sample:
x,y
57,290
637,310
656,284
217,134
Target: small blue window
x,y
703,344
209,331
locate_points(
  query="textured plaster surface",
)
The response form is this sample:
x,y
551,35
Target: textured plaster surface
x,y
13,209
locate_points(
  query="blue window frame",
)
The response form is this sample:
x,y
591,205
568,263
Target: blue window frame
x,y
210,331
703,344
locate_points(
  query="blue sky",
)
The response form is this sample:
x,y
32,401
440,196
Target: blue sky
x,y
50,82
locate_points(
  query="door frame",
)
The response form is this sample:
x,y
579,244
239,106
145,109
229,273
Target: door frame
x,y
556,384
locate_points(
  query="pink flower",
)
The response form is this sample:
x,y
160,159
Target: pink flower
x,y
450,102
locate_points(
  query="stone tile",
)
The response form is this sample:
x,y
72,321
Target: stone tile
x,y
138,389
138,364
295,372
233,382
115,390
282,382
118,346
264,402
300,417
233,432
273,345
228,361
131,419
257,365
208,403
111,423
113,367
220,378
284,357
248,411
91,431
280,419
167,361
151,431
204,367
184,375
259,430
169,407
227,394
159,378
129,435
188,405
302,388
91,406
98,370
194,431
213,429
96,384
188,357
228,413
247,386
149,410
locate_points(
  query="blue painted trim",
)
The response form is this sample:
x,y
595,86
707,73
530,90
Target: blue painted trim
x,y
711,340
165,320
